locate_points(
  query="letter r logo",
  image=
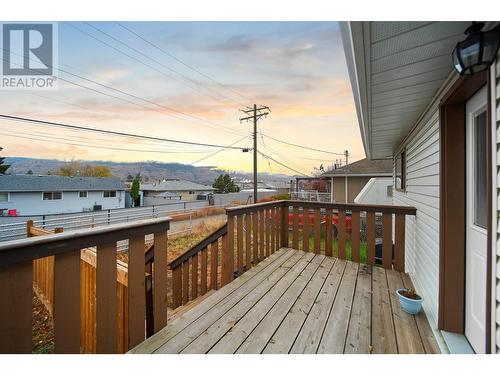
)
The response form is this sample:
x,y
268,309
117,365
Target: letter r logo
x,y
27,49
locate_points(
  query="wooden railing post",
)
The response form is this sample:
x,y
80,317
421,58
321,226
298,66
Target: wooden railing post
x,y
284,225
16,288
136,291
67,303
160,280
228,253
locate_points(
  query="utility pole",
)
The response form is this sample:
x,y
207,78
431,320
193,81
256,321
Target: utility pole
x,y
346,154
255,114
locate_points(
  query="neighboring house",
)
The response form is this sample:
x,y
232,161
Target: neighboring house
x,y
346,182
440,130
174,189
42,195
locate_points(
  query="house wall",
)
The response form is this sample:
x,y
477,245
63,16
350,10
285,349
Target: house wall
x,y
495,83
354,186
339,189
422,192
31,203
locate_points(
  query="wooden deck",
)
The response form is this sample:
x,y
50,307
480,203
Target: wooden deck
x,y
298,302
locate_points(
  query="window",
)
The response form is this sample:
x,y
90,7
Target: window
x,y
52,195
400,166
110,194
4,197
480,179
83,194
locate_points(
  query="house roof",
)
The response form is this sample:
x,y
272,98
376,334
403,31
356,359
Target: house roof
x,y
396,68
176,185
363,167
26,183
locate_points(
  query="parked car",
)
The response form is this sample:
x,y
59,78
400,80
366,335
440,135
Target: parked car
x,y
335,221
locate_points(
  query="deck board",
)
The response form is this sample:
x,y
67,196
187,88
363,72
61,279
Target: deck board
x,y
298,302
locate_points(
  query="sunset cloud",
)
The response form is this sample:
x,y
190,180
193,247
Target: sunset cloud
x,y
296,68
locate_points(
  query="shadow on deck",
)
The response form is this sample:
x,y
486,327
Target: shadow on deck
x,y
299,302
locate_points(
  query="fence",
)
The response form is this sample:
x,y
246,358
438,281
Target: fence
x,y
17,229
311,196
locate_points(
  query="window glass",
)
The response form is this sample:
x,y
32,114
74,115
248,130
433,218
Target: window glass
x,y
4,197
52,195
83,194
480,183
109,194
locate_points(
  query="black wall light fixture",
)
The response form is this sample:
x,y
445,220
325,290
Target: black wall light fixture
x,y
478,51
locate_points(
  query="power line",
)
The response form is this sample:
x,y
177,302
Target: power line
x,y
182,62
206,122
283,165
96,146
304,147
156,61
222,149
123,134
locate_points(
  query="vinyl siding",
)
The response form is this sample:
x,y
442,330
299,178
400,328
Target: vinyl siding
x,y
422,192
496,287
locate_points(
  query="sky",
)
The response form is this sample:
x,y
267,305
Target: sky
x,y
192,89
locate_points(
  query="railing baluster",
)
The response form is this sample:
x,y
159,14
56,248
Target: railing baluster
x,y
387,240
355,235
255,237
177,287
262,235
305,229
136,288
204,271
214,264
185,282
268,232
228,253
272,225
317,231
194,276
160,280
370,238
239,243
16,288
248,240
284,226
106,298
399,257
329,233
295,228
341,233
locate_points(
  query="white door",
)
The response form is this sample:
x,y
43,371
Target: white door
x,y
476,221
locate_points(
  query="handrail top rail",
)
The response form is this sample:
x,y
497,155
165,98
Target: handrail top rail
x,y
20,250
254,206
407,210
214,236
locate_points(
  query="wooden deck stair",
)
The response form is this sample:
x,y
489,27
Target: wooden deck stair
x,y
299,302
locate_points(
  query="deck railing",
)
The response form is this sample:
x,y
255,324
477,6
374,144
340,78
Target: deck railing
x,y
198,270
348,231
16,282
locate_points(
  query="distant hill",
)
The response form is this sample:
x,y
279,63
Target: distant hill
x,y
150,170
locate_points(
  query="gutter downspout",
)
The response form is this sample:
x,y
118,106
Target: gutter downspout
x,y
331,190
345,189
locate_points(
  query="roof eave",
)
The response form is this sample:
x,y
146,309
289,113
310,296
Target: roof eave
x,y
352,35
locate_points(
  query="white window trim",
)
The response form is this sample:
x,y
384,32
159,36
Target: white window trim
x,y
8,197
62,195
